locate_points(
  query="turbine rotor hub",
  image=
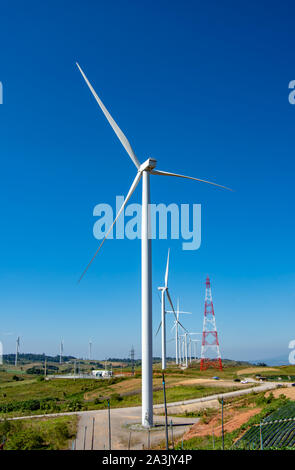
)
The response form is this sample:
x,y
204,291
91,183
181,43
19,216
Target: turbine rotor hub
x,y
148,165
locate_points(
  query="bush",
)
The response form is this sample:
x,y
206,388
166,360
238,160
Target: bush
x,y
116,397
25,440
4,428
16,378
62,432
74,405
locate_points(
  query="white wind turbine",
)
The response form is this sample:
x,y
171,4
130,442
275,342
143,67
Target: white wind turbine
x,y
17,350
61,350
144,171
175,325
164,290
195,342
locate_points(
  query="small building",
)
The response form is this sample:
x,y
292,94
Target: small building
x,y
104,374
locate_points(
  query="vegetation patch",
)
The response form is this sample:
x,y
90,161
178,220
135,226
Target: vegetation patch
x,y
50,434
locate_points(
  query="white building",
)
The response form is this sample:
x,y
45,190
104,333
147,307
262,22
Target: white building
x,y
102,373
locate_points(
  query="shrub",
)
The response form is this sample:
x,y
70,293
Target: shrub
x,y
116,397
25,440
74,405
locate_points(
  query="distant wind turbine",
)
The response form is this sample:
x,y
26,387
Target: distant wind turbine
x,y
17,350
144,171
164,290
176,326
90,349
61,350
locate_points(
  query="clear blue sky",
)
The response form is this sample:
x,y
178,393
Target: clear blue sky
x,y
200,86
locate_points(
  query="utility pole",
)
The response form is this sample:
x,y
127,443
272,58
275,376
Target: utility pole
x,y
45,366
222,428
109,420
261,439
92,440
165,406
84,444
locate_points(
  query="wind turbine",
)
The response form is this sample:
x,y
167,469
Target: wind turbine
x,y
61,351
196,341
164,290
90,349
144,171
176,323
17,350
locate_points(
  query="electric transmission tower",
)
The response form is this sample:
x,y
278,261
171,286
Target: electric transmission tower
x,y
210,353
132,360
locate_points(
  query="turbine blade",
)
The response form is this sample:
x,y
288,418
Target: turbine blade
x,y
170,301
121,136
170,311
131,190
166,173
159,327
182,326
167,269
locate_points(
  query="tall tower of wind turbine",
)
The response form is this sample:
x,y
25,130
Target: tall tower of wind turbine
x,y
17,350
61,350
90,349
176,325
143,171
164,290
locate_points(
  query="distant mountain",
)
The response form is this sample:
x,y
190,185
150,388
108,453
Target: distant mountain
x,y
282,360
30,357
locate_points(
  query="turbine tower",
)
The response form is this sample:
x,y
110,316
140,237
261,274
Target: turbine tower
x,y
90,349
61,350
17,350
164,290
210,353
196,341
176,326
132,360
144,171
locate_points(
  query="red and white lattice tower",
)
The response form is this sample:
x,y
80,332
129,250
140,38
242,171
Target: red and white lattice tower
x,y
210,353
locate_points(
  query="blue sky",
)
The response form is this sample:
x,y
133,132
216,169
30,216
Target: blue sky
x,y
200,86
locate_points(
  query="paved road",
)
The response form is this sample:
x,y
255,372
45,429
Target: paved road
x,y
125,429
122,420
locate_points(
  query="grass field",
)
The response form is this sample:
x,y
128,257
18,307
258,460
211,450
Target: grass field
x,y
22,394
39,434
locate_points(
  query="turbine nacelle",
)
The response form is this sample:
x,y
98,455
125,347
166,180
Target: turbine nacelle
x,y
148,165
